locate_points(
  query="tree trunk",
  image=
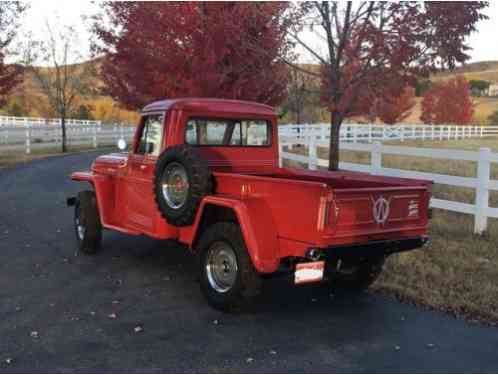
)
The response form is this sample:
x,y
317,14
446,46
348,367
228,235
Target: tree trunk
x,y
335,128
63,127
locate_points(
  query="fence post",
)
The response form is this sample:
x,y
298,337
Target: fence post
x,y
403,133
95,144
482,130
28,136
482,191
280,151
312,152
323,131
432,131
369,133
376,158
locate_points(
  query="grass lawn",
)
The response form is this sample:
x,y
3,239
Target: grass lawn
x,y
458,271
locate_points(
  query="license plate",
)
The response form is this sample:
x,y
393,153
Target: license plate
x,y
309,272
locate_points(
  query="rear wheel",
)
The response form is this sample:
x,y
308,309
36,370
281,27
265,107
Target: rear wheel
x,y
87,223
357,275
228,278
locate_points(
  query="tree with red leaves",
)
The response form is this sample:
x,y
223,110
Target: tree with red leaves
x,y
370,45
395,106
10,75
157,50
448,103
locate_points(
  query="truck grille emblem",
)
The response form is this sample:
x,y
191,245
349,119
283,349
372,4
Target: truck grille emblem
x,y
381,209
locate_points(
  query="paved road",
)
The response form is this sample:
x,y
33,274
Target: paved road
x,y
67,299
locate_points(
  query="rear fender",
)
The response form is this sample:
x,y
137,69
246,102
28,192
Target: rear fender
x,y
256,224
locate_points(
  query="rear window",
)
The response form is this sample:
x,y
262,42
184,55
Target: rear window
x,y
228,132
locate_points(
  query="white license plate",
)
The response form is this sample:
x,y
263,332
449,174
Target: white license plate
x,y
309,272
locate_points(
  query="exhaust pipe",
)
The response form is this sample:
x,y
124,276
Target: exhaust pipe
x,y
314,254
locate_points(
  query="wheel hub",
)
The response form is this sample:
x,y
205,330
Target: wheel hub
x,y
80,228
175,185
221,267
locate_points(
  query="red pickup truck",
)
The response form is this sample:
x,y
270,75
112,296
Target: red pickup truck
x,y
205,172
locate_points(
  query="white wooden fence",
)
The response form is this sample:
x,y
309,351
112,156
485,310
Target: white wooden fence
x,y
370,133
28,134
482,183
36,121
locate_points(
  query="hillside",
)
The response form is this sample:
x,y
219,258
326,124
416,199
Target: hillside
x,y
29,100
485,70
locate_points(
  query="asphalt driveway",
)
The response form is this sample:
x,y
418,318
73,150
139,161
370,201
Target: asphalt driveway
x,y
136,307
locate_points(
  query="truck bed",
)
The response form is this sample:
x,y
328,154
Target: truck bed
x,y
335,208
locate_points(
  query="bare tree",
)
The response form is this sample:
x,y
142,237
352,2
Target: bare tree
x,y
56,64
302,92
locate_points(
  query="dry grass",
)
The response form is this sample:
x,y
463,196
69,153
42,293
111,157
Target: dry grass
x,y
458,271
15,158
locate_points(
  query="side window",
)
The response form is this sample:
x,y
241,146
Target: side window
x,y
228,132
152,134
255,133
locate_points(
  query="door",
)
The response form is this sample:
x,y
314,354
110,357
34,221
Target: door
x,y
140,205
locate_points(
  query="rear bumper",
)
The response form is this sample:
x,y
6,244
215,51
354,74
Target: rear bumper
x,y
375,249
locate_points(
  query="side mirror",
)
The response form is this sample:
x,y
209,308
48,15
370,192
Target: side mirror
x,y
122,144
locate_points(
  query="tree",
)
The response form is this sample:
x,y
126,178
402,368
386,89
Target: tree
x,y
396,106
370,45
448,103
10,75
422,86
479,87
493,118
83,112
64,79
156,50
302,92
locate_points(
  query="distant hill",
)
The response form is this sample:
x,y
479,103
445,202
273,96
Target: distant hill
x,y
29,96
29,99
485,70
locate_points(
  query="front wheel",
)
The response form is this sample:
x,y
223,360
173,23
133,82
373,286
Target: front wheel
x,y
87,223
228,278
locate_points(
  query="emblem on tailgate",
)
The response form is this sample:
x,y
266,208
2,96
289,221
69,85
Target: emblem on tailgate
x,y
381,209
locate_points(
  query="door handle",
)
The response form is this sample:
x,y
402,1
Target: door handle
x,y
143,167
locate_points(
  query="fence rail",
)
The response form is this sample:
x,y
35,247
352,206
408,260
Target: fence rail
x,y
38,121
26,138
482,183
371,133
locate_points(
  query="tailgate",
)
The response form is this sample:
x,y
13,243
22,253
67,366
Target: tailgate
x,y
365,214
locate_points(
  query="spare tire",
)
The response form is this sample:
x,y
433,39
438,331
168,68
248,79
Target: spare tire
x,y
181,179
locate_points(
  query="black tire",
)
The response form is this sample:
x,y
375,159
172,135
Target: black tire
x,y
356,276
87,223
248,283
199,183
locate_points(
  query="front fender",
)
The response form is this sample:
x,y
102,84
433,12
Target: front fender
x,y
257,227
104,191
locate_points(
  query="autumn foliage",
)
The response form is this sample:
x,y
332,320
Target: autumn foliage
x,y
203,49
10,75
448,103
395,106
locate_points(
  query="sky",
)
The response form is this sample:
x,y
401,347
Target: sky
x,y
484,42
